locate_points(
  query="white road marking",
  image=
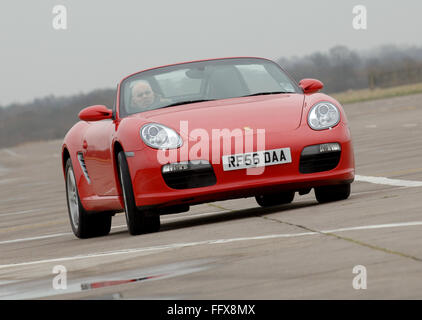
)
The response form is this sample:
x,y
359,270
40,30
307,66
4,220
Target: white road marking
x,y
18,212
206,242
376,226
5,181
388,181
410,125
14,199
56,235
371,126
48,236
36,238
12,153
377,191
7,282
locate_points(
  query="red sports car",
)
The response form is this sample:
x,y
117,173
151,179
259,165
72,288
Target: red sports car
x,y
203,131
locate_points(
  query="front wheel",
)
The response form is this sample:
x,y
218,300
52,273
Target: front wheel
x,y
84,224
332,193
138,221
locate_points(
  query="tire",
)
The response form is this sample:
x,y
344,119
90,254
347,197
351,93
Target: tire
x,y
332,193
275,199
138,221
84,225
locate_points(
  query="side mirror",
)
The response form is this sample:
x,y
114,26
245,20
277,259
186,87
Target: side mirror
x,y
95,113
311,85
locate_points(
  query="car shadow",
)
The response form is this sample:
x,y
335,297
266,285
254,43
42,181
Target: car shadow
x,y
231,215
194,221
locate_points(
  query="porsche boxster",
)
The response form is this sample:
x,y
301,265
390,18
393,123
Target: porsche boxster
x,y
204,131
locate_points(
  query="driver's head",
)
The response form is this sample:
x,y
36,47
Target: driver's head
x,y
142,95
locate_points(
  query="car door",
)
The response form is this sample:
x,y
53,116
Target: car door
x,y
98,157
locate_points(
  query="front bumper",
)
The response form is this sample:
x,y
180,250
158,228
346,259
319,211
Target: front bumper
x,y
151,190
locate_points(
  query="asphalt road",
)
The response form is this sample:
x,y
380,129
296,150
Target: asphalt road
x,y
231,249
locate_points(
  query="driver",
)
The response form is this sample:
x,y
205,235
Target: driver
x,y
143,97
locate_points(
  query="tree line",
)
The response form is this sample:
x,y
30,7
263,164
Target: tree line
x,y
340,69
46,118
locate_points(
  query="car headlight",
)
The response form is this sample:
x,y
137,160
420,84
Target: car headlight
x,y
158,136
323,115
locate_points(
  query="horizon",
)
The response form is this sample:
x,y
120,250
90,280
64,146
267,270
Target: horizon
x,y
361,53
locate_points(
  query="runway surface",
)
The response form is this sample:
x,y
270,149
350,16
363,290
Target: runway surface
x,y
230,249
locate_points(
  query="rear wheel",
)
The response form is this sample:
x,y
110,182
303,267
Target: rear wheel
x,y
275,199
332,193
84,224
138,221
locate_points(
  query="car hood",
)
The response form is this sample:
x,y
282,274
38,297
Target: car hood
x,y
281,112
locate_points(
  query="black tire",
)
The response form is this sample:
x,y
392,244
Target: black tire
x,y
275,199
138,221
332,193
84,224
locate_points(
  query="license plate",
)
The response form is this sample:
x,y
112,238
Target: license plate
x,y
256,159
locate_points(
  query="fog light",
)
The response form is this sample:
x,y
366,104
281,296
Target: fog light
x,y
189,174
320,157
321,148
175,167
329,147
186,165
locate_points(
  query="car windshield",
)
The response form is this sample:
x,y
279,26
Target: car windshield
x,y
202,81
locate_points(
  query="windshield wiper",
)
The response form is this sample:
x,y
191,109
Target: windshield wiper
x,y
203,100
186,102
265,93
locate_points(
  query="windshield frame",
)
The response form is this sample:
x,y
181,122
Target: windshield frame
x,y
174,67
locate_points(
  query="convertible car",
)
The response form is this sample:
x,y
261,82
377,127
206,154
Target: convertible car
x,y
204,131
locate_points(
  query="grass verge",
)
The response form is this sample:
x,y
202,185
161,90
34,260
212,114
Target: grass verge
x,y
353,96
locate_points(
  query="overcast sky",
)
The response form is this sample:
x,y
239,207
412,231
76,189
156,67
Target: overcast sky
x,y
106,40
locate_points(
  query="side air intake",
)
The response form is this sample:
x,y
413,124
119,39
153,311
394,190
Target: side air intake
x,y
83,166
